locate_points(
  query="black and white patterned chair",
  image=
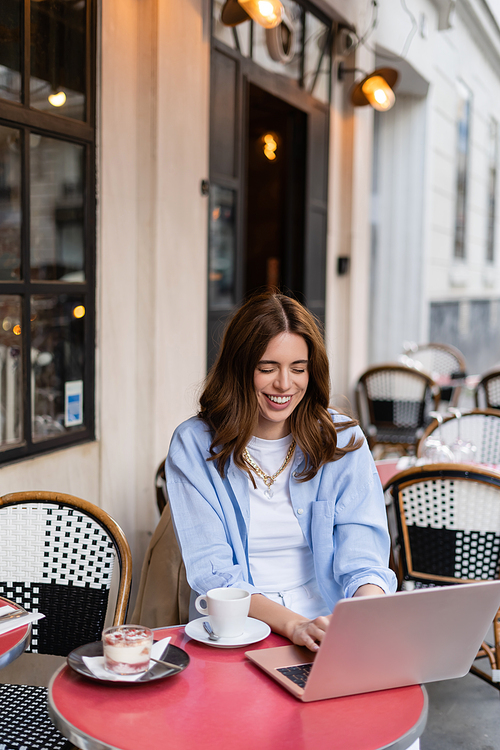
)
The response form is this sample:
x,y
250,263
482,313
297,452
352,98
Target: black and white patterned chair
x,y
441,359
57,554
481,427
393,403
487,391
448,521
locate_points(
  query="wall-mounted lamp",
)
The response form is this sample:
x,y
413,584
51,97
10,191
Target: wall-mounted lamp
x,y
375,89
266,13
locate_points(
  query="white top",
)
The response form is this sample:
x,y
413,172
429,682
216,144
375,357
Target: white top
x,y
279,556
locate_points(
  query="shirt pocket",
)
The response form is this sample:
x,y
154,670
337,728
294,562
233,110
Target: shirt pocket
x,y
322,519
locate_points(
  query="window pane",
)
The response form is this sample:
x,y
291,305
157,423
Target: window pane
x,y
11,372
462,155
57,357
57,234
10,49
10,204
222,248
492,191
58,46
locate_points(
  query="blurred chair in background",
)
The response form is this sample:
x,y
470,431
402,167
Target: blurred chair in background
x,y
393,403
445,363
487,392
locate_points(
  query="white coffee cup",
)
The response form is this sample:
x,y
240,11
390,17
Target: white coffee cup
x,y
227,610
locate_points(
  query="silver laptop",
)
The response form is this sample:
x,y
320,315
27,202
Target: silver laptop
x,y
380,642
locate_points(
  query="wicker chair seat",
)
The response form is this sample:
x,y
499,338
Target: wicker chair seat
x,y
24,720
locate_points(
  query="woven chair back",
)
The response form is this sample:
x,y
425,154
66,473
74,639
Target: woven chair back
x,y
448,518
439,358
57,554
393,403
488,390
479,426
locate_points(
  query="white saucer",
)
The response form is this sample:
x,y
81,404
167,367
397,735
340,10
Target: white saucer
x,y
255,630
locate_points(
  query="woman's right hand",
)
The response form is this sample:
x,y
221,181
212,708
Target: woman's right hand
x,y
296,628
309,633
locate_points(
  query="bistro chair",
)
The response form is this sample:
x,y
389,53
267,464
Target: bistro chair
x,y
481,427
487,391
57,554
448,522
441,360
164,593
393,402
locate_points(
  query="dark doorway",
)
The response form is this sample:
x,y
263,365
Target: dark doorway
x,y
275,194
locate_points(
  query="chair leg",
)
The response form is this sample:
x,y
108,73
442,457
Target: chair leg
x,y
493,655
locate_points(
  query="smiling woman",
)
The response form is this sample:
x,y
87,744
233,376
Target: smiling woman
x,y
270,490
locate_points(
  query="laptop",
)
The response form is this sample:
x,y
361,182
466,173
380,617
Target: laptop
x,y
380,642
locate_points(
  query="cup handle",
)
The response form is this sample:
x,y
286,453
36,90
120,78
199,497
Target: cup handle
x,y
198,604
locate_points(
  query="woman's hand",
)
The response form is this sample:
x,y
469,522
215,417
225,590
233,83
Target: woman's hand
x,y
298,629
308,633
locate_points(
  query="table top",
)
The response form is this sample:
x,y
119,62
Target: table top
x,y
222,700
13,643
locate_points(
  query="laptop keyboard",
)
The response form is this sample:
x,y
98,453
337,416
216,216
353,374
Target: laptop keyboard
x,y
298,674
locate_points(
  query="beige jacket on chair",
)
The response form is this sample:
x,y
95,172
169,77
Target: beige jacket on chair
x,y
164,592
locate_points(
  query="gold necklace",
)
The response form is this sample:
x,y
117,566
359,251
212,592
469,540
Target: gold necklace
x,y
267,479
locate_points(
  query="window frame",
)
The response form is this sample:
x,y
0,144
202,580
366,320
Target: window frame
x,y
21,116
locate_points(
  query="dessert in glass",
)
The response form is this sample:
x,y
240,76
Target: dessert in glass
x,y
127,648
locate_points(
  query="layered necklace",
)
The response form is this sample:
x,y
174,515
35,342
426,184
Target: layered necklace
x,y
269,480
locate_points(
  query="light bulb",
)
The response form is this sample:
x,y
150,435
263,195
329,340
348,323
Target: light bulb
x,y
270,144
266,13
379,93
57,100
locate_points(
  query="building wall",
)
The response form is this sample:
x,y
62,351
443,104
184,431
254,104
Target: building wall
x,y
469,51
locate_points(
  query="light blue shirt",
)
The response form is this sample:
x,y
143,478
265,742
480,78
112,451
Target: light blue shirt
x,y
341,512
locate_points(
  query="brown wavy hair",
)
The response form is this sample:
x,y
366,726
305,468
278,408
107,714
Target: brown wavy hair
x,y
228,403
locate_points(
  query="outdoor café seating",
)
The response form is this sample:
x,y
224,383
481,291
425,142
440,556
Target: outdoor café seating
x,y
487,391
448,532
393,404
57,555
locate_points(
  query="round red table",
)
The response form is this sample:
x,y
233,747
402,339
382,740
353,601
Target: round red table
x,y
13,643
223,701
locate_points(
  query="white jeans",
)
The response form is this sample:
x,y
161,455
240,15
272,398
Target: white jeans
x,y
305,600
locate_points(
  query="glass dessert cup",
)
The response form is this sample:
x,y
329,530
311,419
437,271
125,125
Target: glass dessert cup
x,y
127,648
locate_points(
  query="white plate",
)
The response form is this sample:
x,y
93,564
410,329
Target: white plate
x,y
255,630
